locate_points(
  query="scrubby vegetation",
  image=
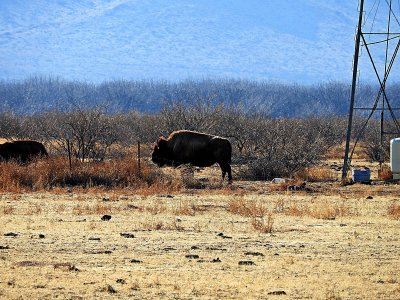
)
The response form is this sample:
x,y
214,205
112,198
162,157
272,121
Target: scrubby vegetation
x,y
268,140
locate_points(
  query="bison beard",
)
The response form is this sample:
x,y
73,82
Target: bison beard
x,y
198,149
21,151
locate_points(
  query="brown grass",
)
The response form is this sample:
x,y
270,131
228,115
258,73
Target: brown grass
x,y
247,208
54,172
263,224
385,173
8,209
319,211
185,208
97,209
394,211
316,174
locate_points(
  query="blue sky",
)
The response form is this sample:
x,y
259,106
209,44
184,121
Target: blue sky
x,y
301,41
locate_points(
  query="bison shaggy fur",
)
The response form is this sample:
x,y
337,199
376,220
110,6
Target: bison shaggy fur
x,y
21,151
191,147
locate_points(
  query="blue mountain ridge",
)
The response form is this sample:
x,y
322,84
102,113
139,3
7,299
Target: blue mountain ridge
x,y
300,41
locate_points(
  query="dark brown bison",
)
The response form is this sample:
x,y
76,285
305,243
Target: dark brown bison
x,y
21,151
198,149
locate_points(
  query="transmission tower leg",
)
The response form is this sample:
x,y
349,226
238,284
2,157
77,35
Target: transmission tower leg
x,y
353,91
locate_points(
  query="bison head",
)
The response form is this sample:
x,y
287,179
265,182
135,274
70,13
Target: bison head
x,y
160,153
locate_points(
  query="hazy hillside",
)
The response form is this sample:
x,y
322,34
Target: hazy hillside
x,y
303,41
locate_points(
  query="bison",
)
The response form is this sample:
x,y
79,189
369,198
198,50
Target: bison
x,y
198,149
21,151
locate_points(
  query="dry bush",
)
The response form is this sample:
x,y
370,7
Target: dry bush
x,y
262,224
8,209
185,208
324,211
394,211
155,209
385,173
316,174
247,208
55,172
87,209
283,186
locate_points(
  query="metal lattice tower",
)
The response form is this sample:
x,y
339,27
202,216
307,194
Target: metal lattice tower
x,y
389,43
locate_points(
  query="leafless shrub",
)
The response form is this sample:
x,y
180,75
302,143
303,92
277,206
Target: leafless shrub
x,y
319,211
263,224
394,211
247,208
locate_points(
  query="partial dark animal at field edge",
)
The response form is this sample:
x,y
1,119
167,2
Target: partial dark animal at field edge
x,y
22,151
191,147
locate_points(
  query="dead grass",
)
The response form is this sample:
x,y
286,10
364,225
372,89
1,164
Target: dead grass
x,y
324,211
246,207
54,172
394,211
385,173
96,209
317,174
185,208
8,209
263,224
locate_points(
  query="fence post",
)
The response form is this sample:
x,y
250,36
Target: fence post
x,y
69,156
138,156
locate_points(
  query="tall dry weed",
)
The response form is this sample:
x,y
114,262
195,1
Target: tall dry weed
x,y
55,172
324,211
394,211
247,208
317,174
263,224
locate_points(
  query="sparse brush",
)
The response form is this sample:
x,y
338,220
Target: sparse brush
x,y
246,208
316,174
185,208
8,209
54,172
394,211
87,209
263,224
385,173
319,211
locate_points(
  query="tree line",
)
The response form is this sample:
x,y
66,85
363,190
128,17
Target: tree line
x,y
41,94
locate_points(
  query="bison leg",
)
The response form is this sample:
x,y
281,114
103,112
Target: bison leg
x,y
226,168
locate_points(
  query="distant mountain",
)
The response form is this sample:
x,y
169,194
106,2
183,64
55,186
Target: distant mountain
x,y
303,41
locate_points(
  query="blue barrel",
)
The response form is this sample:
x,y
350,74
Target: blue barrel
x,y
361,175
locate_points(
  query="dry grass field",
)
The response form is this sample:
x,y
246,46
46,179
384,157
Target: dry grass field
x,y
250,240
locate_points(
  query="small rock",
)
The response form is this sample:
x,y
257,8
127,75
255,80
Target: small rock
x,y
135,261
166,196
369,198
121,281
4,247
41,236
246,263
194,247
254,253
216,260
94,239
110,289
277,293
127,235
106,218
192,256
12,234
343,225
